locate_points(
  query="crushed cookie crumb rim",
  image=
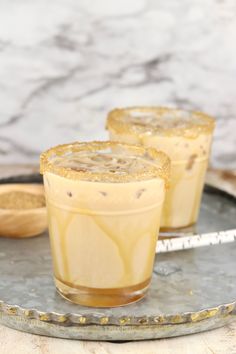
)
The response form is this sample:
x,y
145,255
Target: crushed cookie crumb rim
x,y
157,162
120,121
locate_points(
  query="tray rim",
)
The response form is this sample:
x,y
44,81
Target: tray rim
x,y
80,319
72,319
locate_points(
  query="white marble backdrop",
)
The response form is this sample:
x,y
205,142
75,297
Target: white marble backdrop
x,y
65,63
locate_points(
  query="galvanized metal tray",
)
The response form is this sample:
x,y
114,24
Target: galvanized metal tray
x,y
192,290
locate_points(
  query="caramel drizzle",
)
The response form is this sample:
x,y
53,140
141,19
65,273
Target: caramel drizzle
x,y
124,249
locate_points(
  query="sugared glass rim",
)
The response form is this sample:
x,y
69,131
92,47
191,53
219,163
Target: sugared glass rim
x,y
118,125
161,169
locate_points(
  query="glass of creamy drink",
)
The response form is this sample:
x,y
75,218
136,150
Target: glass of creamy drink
x,y
104,202
186,138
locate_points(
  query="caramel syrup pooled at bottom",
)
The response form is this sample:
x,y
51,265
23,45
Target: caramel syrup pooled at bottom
x,y
102,297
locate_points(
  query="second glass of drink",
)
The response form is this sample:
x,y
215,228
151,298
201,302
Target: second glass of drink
x,y
186,138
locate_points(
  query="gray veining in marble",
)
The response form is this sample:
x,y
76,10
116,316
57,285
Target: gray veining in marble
x,y
64,64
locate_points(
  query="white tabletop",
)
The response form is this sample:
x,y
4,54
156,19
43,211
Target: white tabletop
x,y
219,341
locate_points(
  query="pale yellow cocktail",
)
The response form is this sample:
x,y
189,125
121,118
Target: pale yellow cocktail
x,y
186,138
104,204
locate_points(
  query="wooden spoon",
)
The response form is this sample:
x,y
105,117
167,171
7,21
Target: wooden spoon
x,y
22,222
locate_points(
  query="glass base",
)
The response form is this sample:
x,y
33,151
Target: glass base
x,y
102,297
169,232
